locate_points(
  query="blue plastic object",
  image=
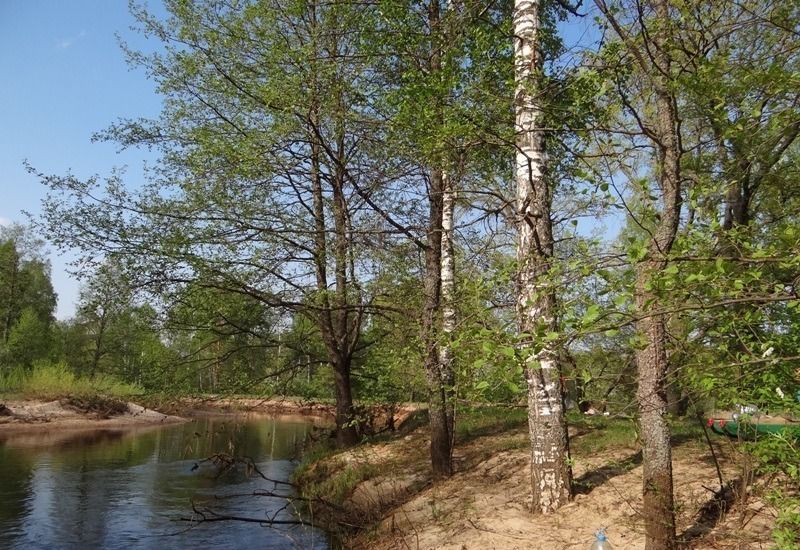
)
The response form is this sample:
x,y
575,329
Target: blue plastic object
x,y
601,541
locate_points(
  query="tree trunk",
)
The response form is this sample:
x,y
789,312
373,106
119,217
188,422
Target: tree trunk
x,y
677,401
333,314
651,395
97,353
441,436
737,201
550,471
344,340
438,381
346,431
446,372
652,360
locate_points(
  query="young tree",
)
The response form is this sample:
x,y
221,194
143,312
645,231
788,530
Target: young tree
x,y
434,80
694,87
102,302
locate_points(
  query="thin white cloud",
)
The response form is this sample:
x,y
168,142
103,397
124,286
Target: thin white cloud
x,y
67,42
4,221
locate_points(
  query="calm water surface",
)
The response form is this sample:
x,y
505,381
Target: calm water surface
x,y
129,488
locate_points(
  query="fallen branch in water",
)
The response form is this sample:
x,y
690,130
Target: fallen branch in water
x,y
226,462
208,515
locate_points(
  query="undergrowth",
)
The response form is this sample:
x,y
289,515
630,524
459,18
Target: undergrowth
x,y
46,380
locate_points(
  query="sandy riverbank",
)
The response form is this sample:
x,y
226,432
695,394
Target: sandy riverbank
x,y
36,415
394,504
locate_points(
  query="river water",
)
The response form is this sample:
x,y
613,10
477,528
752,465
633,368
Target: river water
x,y
131,488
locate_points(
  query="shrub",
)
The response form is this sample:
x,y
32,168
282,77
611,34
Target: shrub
x,y
48,380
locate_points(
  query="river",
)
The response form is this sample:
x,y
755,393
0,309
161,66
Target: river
x,y
131,488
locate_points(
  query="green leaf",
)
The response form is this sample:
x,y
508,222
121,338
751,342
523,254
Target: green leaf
x,y
591,315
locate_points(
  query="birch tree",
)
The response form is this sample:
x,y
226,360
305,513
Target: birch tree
x,y
432,77
536,302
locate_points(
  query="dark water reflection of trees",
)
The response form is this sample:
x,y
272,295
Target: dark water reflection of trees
x,y
113,489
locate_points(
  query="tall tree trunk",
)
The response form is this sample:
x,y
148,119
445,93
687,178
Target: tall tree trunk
x,y
550,471
328,321
332,318
651,363
441,436
737,201
97,352
439,401
652,360
344,340
446,368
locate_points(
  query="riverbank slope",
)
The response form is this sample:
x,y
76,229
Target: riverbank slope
x,y
380,495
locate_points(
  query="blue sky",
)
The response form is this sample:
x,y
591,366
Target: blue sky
x,y
64,77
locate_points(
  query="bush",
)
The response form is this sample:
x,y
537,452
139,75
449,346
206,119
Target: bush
x,y
48,380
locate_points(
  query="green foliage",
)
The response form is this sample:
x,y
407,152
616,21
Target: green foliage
x,y
225,337
779,454
281,118
27,299
46,380
28,340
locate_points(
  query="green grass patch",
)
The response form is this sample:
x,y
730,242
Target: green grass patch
x,y
687,429
328,479
481,421
599,433
314,454
48,380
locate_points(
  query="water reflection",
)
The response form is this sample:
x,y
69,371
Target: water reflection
x,y
113,489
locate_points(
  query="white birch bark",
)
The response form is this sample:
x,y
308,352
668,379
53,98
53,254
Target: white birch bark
x,y
448,257
447,289
550,472
448,294
448,262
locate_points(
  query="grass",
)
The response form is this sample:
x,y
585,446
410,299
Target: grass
x,y
599,433
481,421
687,429
314,454
329,481
325,476
55,380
